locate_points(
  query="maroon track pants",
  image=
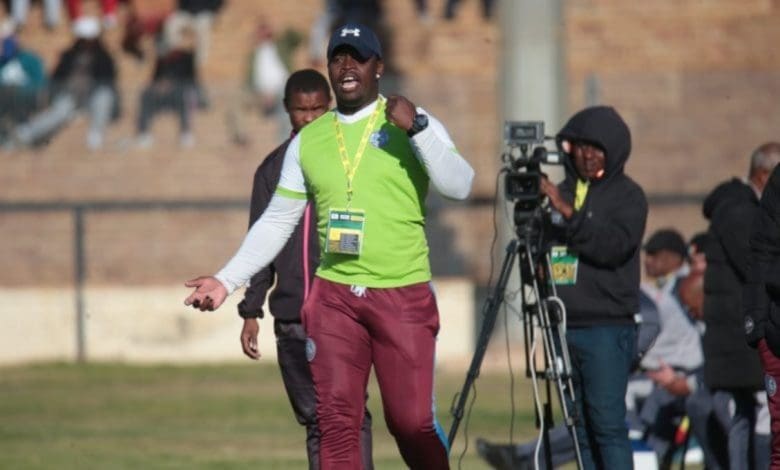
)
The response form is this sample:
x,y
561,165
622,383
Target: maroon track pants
x,y
395,330
771,365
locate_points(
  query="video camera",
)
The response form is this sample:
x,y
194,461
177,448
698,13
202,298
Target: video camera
x,y
526,153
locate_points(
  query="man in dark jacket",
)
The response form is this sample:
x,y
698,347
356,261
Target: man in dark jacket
x,y
601,213
174,86
306,97
730,365
762,299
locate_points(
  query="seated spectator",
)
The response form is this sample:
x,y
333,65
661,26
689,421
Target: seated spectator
x,y
268,68
108,9
451,6
84,79
22,82
144,19
198,15
18,10
678,345
173,87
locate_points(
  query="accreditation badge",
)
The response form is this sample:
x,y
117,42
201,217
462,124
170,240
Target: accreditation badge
x,y
345,231
564,266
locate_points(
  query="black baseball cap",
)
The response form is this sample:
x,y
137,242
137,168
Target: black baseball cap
x,y
666,239
358,36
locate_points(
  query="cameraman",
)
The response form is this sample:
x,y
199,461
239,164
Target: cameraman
x,y
599,216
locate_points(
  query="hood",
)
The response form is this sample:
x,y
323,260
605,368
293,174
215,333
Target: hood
x,y
730,192
602,126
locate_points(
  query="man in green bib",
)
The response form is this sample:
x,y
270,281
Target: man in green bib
x,y
367,165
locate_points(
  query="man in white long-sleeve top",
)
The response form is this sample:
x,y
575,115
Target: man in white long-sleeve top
x,y
366,165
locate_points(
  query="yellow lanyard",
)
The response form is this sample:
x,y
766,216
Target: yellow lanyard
x,y
349,168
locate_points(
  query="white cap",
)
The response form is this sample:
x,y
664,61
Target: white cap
x,y
86,27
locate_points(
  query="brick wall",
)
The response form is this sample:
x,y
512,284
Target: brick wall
x,y
695,80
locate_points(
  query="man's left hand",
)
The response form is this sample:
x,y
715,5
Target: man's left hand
x,y
400,112
249,338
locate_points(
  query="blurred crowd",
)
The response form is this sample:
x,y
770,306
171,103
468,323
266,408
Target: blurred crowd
x,y
37,100
37,103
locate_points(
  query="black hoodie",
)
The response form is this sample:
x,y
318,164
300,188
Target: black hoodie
x,y
606,232
730,362
762,291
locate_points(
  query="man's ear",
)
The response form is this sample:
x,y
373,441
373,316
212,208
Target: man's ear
x,y
380,67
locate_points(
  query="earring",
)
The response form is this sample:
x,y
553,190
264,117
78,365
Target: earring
x,y
377,76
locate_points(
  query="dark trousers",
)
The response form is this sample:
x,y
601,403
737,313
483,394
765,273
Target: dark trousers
x,y
179,99
601,359
709,414
291,354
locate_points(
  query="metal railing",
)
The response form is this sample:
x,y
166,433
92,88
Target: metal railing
x,y
79,209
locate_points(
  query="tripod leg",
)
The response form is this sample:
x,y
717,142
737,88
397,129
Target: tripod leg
x,y
556,354
490,311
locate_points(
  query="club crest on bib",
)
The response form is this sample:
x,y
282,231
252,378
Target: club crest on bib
x,y
379,138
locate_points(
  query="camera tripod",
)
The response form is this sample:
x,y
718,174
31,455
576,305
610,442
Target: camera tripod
x,y
542,311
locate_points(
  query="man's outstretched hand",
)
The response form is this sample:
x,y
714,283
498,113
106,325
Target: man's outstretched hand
x,y
209,293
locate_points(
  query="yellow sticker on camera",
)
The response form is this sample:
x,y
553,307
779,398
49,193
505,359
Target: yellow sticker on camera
x,y
345,231
564,266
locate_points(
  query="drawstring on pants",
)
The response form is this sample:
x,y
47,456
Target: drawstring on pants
x,y
358,291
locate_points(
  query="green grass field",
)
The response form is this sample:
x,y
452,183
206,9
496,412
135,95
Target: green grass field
x,y
113,416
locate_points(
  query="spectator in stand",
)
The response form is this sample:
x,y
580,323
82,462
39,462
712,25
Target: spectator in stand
x,y
20,9
730,364
107,7
452,5
762,299
269,65
173,87
84,79
23,82
198,14
144,18
421,7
